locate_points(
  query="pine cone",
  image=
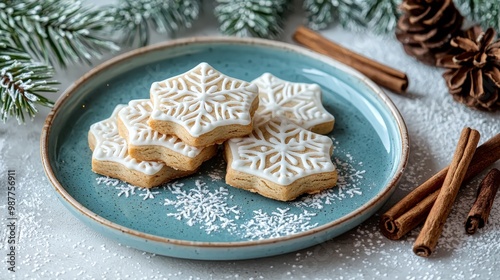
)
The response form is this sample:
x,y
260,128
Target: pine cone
x,y
474,74
426,27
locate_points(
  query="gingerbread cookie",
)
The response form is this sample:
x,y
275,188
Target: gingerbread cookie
x,y
280,160
203,106
298,102
146,144
110,157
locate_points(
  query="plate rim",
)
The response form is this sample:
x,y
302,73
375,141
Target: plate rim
x,y
376,90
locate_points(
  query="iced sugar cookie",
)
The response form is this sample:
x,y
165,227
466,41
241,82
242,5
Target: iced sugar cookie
x,y
298,102
203,106
280,160
146,144
110,157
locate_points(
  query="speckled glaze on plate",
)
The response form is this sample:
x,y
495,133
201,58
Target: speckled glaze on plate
x,y
200,217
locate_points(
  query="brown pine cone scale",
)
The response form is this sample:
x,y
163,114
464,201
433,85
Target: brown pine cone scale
x,y
473,77
426,28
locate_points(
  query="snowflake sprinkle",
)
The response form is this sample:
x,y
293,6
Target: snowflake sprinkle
x,y
202,206
126,190
278,223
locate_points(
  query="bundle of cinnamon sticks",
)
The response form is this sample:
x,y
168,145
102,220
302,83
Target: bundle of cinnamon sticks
x,y
432,201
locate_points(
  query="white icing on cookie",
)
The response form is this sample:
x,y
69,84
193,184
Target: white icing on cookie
x,y
281,152
110,146
135,117
299,102
203,99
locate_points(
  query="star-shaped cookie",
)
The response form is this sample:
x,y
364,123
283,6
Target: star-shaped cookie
x,y
298,102
145,143
203,106
280,160
110,157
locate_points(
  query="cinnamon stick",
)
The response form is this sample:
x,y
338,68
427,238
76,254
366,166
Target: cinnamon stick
x,y
396,228
383,75
480,211
412,210
427,239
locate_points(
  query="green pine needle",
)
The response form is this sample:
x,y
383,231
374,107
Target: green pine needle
x,y
55,31
320,13
21,83
252,18
381,16
484,12
134,17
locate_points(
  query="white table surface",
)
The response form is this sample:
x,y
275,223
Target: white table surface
x,y
53,244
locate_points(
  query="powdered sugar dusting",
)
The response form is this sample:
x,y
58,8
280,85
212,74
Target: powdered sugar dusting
x,y
201,206
148,194
350,174
126,190
279,223
217,171
108,181
211,209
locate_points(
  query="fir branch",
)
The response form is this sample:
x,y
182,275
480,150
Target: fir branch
x,y
381,15
21,83
284,7
254,18
484,12
320,13
55,31
134,17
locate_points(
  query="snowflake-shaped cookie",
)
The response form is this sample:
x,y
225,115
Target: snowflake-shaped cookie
x,y
146,144
203,106
298,102
110,157
280,160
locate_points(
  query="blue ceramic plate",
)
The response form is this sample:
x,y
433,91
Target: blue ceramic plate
x,y
200,217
